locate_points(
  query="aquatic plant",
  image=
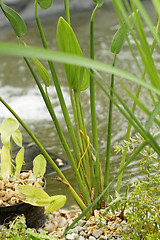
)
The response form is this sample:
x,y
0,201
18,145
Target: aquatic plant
x,y
81,73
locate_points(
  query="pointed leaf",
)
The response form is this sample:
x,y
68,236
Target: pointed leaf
x,y
44,4
57,203
120,37
78,77
99,2
39,166
30,194
17,137
7,128
42,71
15,20
19,161
5,162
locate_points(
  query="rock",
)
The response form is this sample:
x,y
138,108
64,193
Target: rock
x,y
92,238
81,238
61,222
81,223
50,227
97,233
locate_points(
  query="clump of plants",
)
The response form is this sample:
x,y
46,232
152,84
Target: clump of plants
x,y
143,204
18,230
17,186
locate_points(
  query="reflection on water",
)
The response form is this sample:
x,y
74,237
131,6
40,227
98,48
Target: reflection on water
x,y
19,90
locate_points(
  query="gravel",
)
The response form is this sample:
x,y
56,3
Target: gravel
x,y
101,226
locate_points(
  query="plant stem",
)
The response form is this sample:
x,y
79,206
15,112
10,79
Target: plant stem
x,y
67,14
92,102
59,131
108,149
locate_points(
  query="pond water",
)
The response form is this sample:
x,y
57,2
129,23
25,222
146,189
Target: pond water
x,y
19,89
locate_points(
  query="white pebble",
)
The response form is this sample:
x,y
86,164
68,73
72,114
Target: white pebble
x,y
92,238
62,222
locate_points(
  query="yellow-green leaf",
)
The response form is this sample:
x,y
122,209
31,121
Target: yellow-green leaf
x,y
78,77
120,37
39,166
30,194
42,71
57,203
19,161
17,137
5,162
7,128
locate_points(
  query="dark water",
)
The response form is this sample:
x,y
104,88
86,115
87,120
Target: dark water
x,y
18,88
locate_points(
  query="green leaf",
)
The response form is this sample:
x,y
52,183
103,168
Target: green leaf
x,y
99,2
120,36
17,137
5,162
7,128
57,203
39,166
19,161
78,77
15,20
157,6
42,71
38,197
44,4
30,194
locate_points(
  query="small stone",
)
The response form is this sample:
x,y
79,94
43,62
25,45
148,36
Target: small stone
x,y
97,233
81,223
92,238
82,233
1,202
13,201
77,229
9,185
50,217
50,227
69,237
109,236
24,175
7,196
81,238
1,185
62,222
103,238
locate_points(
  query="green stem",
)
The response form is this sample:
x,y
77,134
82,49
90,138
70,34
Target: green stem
x,y
59,131
93,107
84,140
67,14
108,149
46,155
